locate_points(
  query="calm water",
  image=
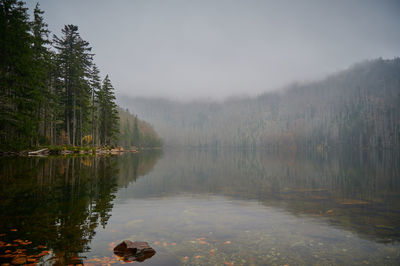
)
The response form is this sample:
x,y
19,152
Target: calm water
x,y
203,207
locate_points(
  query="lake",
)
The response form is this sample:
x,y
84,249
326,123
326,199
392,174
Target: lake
x,y
218,207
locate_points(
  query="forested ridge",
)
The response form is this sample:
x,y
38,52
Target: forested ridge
x,y
358,107
136,132
51,92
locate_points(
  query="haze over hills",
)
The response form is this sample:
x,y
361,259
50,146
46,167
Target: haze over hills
x,y
189,50
358,106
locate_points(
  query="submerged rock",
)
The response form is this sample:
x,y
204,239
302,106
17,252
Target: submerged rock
x,y
136,251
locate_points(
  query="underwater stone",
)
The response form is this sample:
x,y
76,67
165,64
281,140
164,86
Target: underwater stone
x,y
138,251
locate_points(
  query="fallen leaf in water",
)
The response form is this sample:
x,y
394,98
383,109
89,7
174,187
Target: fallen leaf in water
x,y
203,242
7,251
197,257
164,244
20,251
43,253
19,260
212,252
156,243
173,243
41,246
201,238
227,242
13,230
186,258
228,263
2,234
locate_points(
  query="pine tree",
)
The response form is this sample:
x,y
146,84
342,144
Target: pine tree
x,y
95,87
108,113
19,95
136,133
42,60
74,62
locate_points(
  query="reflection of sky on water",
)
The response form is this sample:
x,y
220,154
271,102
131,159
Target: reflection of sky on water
x,y
254,208
359,194
207,207
238,231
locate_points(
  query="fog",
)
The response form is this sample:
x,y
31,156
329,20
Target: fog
x,y
215,49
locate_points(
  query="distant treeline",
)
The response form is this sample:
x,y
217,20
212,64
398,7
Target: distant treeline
x,y
51,92
135,132
358,108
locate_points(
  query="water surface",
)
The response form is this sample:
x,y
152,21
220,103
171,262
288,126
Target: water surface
x,y
205,207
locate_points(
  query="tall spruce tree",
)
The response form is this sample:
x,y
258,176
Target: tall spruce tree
x,y
95,87
74,62
43,65
109,120
19,93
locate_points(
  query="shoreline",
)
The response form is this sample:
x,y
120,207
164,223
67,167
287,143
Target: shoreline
x,y
63,150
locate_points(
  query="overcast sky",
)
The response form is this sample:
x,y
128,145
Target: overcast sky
x,y
214,49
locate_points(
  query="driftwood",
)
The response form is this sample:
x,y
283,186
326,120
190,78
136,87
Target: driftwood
x,y
38,152
136,251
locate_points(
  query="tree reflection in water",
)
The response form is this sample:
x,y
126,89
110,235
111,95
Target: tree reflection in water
x,y
59,202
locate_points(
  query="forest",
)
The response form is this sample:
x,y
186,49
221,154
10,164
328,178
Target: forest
x,y
355,108
136,132
51,91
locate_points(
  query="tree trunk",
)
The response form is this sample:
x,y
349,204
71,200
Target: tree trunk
x,y
74,121
81,130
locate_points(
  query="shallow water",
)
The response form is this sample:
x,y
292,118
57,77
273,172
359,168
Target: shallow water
x,y
204,207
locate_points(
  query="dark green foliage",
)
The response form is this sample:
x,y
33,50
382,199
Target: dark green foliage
x,y
51,92
19,97
108,113
74,62
136,133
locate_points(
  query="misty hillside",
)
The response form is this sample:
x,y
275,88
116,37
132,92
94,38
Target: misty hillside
x,y
359,106
136,132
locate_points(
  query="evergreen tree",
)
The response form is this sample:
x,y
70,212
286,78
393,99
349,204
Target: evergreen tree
x,y
19,95
136,133
74,62
42,60
95,86
109,120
